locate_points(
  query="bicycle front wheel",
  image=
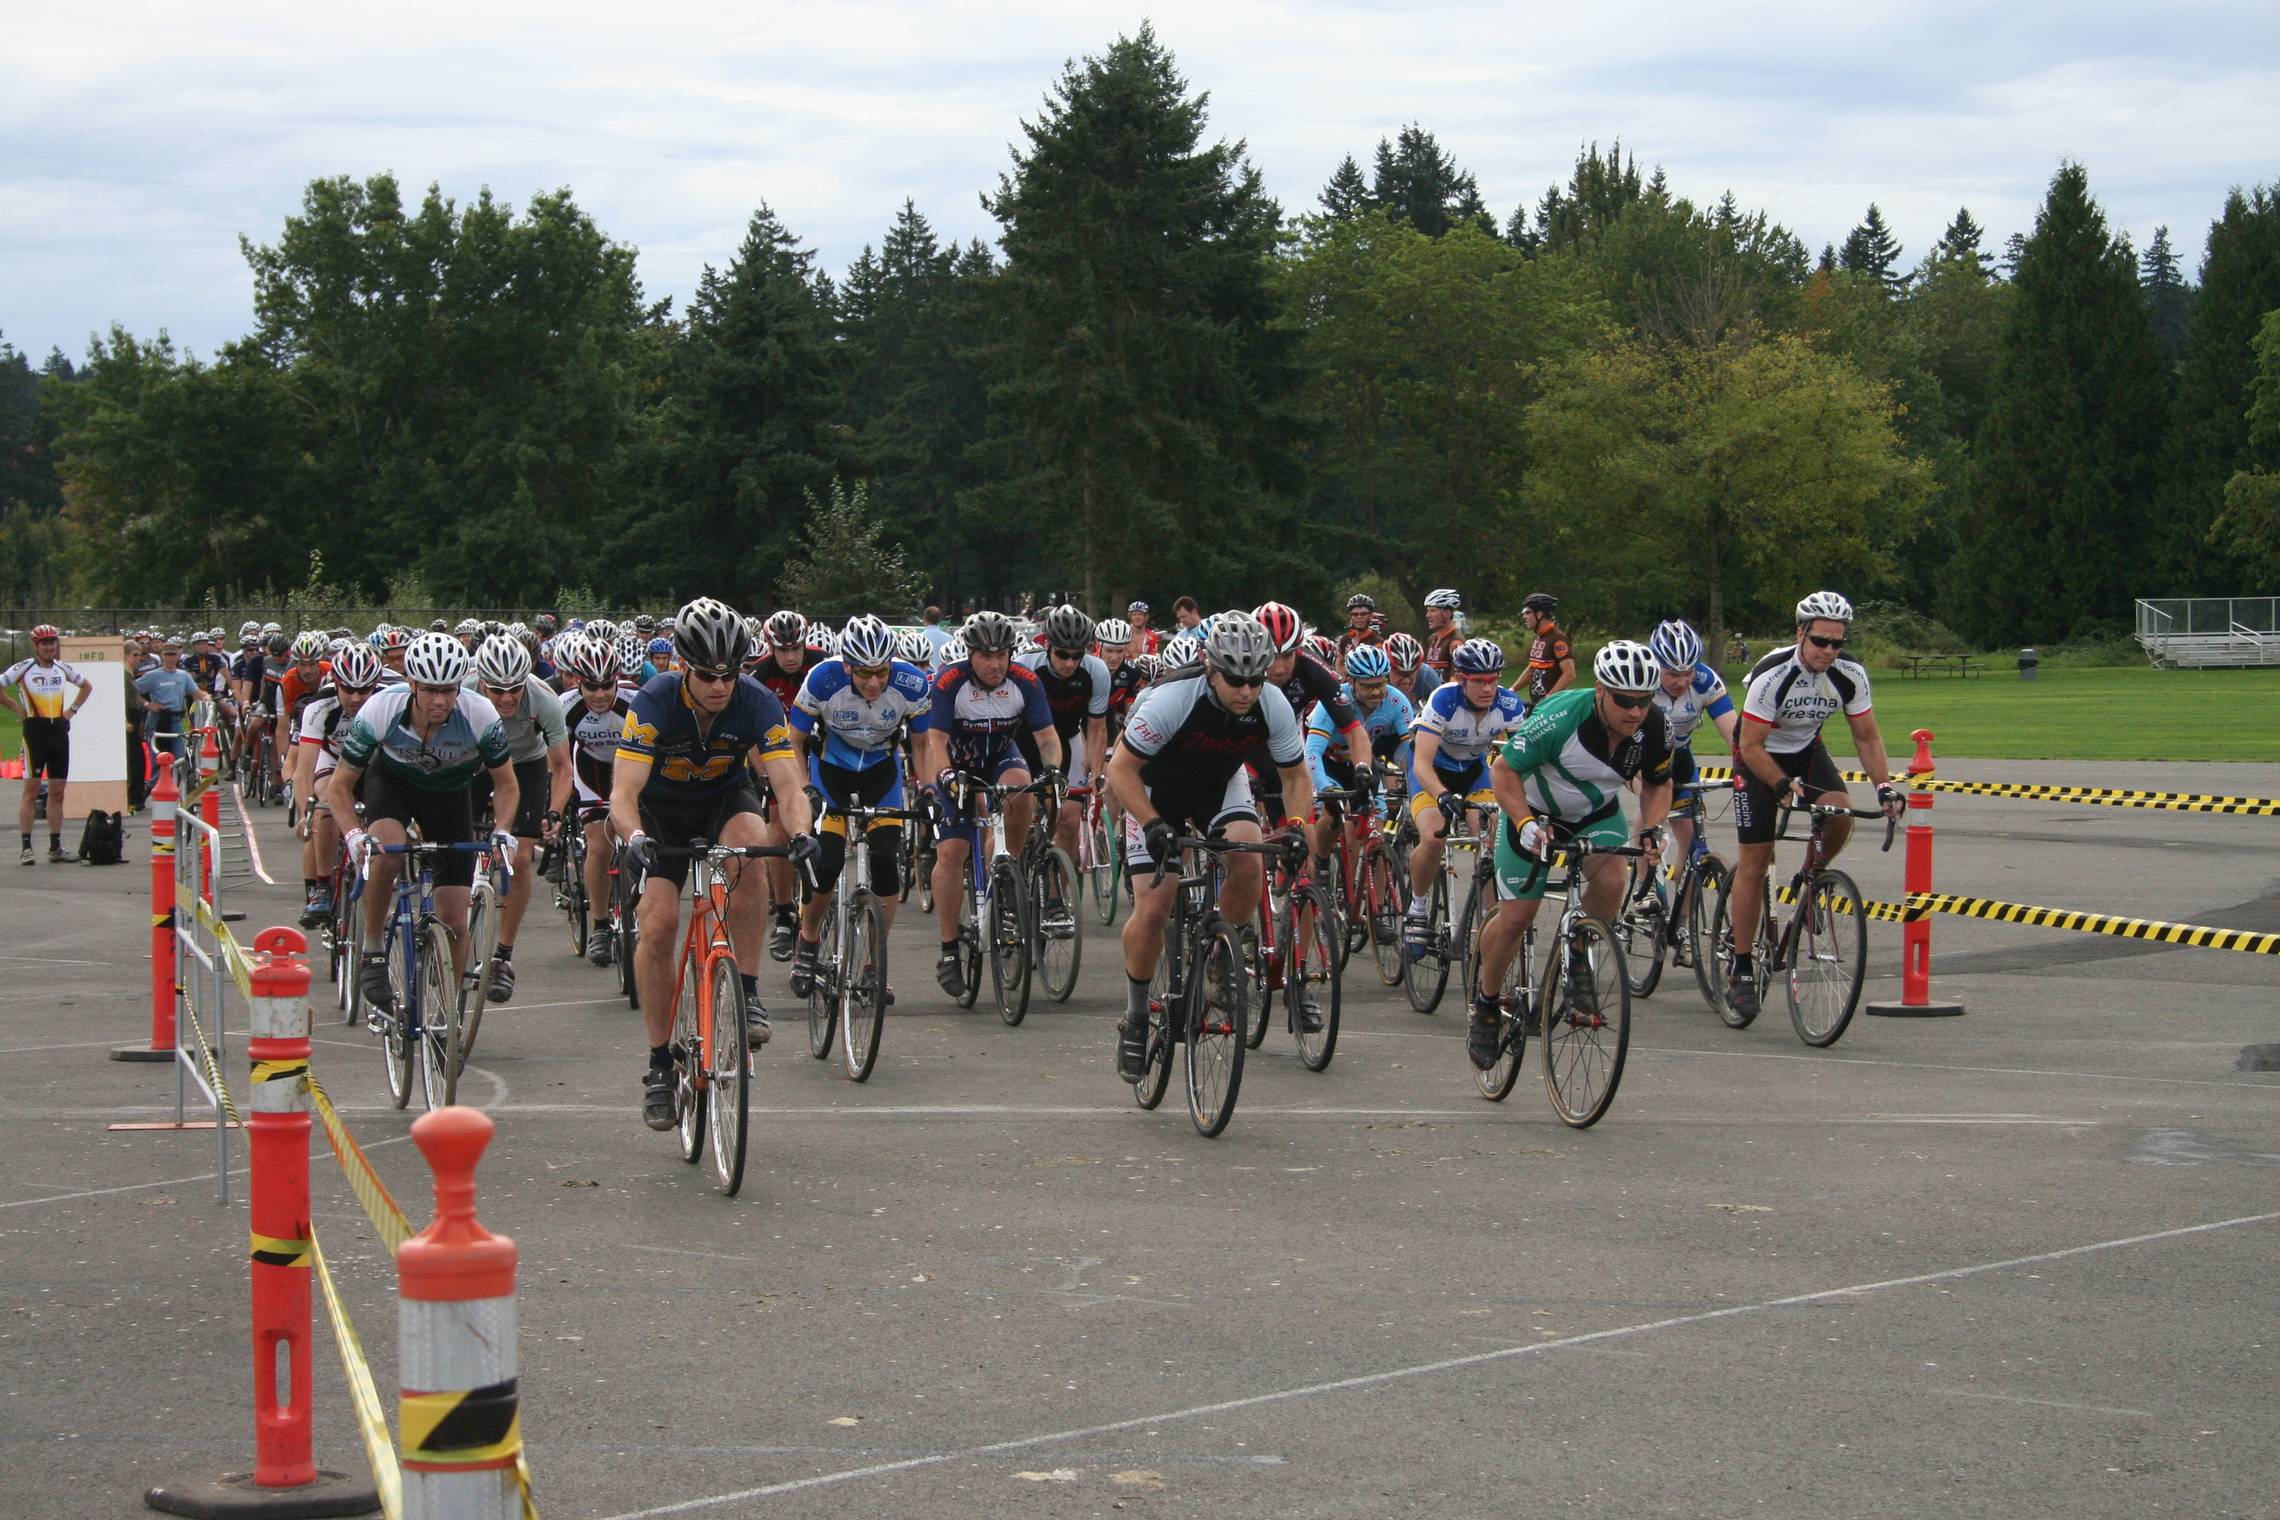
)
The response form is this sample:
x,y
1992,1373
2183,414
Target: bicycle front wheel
x,y
1424,977
1517,1002
823,992
1216,1004
1009,940
863,979
1640,931
689,1089
574,904
1700,929
1311,978
1101,846
482,940
1828,955
1156,1076
1381,900
1587,1022
348,925
728,1071
439,1018
1060,936
399,1047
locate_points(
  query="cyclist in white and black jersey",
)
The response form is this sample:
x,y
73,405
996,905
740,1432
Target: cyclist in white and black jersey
x,y
1179,769
1077,688
1779,756
316,752
538,741
594,711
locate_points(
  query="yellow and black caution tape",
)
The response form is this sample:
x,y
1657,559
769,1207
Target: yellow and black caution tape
x,y
2201,936
1881,912
379,1205
279,1071
207,1064
278,1251
465,1427
363,1397
232,954
1726,773
2106,796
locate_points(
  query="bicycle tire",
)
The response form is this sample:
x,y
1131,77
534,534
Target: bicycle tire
x,y
482,941
1381,896
728,1073
1639,929
863,988
969,944
1585,1046
823,992
1217,1005
1101,843
1057,960
397,1047
1257,952
1424,978
575,905
1700,896
625,929
1722,948
922,874
1311,965
1828,956
1480,902
1009,936
348,918
439,1018
689,1093
1156,1073
1516,999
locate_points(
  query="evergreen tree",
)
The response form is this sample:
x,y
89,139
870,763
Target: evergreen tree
x,y
1347,195
2014,249
1827,262
2168,299
2055,539
846,562
1138,374
1419,184
1520,232
1601,188
2250,524
1964,236
1870,249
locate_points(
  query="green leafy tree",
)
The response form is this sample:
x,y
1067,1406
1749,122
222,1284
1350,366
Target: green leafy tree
x,y
1870,249
1138,376
2055,541
846,563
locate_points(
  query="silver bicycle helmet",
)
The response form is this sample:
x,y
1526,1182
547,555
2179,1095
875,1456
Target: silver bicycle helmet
x,y
436,659
1824,604
1626,665
309,645
708,634
989,633
1240,646
1453,601
502,661
1068,628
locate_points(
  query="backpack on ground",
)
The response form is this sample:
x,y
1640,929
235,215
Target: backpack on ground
x,y
104,843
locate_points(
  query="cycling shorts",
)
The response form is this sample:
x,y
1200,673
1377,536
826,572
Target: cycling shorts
x,y
1755,816
442,817
532,786
682,822
1193,812
47,748
1522,878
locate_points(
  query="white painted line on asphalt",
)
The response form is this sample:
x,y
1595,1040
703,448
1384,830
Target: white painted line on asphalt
x,y
23,1050
1427,1369
2012,1398
252,845
137,1187
53,960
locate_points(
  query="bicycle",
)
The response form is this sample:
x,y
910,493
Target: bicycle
x,y
1829,924
343,934
427,997
849,991
1365,888
567,859
1299,958
998,899
1449,941
485,895
1588,1033
1205,997
1100,852
624,926
1056,938
712,1062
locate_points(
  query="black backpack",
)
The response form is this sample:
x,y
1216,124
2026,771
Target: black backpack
x,y
105,841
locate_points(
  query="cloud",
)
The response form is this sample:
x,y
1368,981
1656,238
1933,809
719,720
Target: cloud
x,y
137,142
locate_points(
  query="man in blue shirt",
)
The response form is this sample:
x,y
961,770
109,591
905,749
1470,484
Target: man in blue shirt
x,y
167,693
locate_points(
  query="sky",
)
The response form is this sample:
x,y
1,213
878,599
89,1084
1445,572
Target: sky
x,y
139,142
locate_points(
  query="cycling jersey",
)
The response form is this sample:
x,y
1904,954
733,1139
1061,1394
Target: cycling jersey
x,y
46,687
1424,684
296,692
536,724
1387,724
247,668
859,734
1705,697
470,739
694,758
1313,682
1791,703
1466,733
322,727
783,684
1544,657
594,740
271,687
1573,769
1123,686
1439,647
1075,697
1193,744
981,722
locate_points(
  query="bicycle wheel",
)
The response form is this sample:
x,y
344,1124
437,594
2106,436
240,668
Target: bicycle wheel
x,y
863,977
1698,909
1518,1003
1381,900
969,952
1216,1004
348,920
1009,940
575,906
1722,951
625,929
1101,847
1423,978
1828,955
689,1092
1060,936
823,992
728,1073
1480,902
922,873
482,940
1640,929
1311,975
1587,1022
439,1018
1156,1076
398,1046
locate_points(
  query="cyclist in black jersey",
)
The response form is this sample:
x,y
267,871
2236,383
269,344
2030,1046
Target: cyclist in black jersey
x,y
1305,681
1077,685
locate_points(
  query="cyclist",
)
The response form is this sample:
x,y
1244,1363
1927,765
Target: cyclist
x,y
861,699
1307,682
1386,717
1456,728
1361,624
395,646
1412,677
1561,777
41,682
316,754
1551,659
594,710
1779,759
538,744
1444,630
787,637
1179,770
296,689
415,750
1690,691
1078,690
981,701
681,775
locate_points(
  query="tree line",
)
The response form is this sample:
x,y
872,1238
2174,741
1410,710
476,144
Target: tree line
x,y
1161,380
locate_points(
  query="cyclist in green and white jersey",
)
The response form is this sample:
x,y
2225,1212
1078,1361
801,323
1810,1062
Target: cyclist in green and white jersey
x,y
1561,776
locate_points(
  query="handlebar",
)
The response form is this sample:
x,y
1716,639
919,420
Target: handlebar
x,y
1819,810
1210,846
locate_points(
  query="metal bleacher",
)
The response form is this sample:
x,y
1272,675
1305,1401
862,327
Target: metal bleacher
x,y
2195,631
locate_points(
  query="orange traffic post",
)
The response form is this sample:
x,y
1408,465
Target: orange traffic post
x,y
459,1419
162,799
1916,1000
285,1481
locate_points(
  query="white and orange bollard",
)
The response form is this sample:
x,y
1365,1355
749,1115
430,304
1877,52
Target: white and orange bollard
x,y
1916,1000
162,799
209,808
459,1420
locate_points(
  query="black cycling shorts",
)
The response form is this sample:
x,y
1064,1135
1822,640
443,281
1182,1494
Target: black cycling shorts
x,y
47,748
443,818
1755,816
873,786
532,787
681,822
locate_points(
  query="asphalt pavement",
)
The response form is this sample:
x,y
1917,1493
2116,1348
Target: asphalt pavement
x,y
2016,1263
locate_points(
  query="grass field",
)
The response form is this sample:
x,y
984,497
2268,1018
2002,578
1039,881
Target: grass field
x,y
2093,713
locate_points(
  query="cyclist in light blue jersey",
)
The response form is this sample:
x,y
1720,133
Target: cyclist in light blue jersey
x,y
1691,691
1386,718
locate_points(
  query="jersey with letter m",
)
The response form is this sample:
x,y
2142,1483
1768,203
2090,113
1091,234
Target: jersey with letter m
x,y
692,756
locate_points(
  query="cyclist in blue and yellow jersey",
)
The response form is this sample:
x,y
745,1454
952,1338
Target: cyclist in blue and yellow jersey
x,y
681,776
1448,764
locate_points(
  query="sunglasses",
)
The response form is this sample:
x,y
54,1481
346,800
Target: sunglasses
x,y
872,671
357,691
1818,642
597,685
501,691
1630,701
1243,681
1068,654
712,677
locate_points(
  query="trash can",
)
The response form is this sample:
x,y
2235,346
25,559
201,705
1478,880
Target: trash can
x,y
2028,660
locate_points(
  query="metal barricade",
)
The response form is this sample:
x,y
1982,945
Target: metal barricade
x,y
207,961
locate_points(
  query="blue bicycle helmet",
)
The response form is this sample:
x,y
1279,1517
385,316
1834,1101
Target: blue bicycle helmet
x,y
1367,662
1477,657
1677,646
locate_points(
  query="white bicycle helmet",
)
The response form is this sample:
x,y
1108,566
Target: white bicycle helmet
x,y
952,652
436,659
1675,645
1626,665
591,660
467,628
866,642
603,629
1477,657
708,634
1113,631
1824,604
632,656
1452,601
1240,645
356,668
308,645
501,660
1404,651
914,646
1181,654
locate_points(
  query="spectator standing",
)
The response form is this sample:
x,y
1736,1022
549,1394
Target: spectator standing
x,y
936,634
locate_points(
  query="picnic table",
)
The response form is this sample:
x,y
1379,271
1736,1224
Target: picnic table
x,y
1948,664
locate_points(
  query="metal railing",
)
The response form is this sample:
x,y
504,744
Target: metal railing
x,y
2210,630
